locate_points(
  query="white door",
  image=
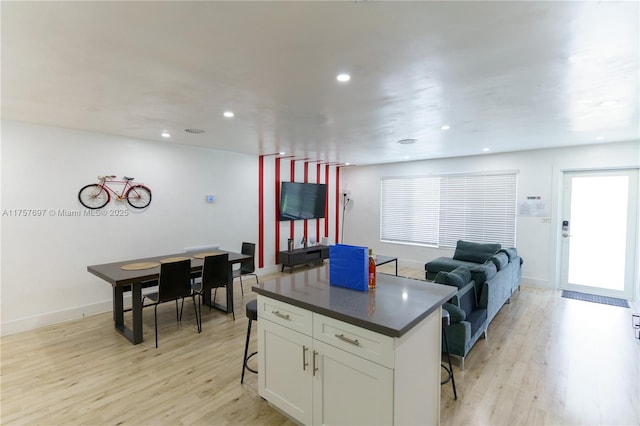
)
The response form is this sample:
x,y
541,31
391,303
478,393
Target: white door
x,y
599,224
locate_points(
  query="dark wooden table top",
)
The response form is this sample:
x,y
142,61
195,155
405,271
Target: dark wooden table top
x,y
116,276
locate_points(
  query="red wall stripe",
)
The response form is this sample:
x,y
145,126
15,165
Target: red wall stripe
x,y
326,208
292,171
261,211
338,204
318,220
277,219
306,179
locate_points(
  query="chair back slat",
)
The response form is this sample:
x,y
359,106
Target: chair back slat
x,y
215,272
248,266
175,280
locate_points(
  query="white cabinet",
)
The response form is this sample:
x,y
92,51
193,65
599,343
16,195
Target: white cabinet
x,y
322,371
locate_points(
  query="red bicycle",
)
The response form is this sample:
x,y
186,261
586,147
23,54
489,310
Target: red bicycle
x,y
96,195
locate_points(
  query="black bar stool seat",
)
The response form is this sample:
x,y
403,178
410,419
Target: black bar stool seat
x,y
446,320
252,314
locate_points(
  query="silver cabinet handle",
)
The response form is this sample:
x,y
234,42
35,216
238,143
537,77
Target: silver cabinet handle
x,y
315,362
280,314
346,339
304,358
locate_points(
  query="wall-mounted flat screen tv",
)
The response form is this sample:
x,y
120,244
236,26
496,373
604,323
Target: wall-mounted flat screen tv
x,y
302,200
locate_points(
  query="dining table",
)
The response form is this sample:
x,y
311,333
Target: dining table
x,y
135,274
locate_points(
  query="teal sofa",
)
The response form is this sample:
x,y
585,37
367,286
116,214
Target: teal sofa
x,y
486,276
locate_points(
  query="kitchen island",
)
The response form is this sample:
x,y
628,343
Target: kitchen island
x,y
331,355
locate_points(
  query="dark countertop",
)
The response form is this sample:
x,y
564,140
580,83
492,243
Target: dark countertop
x,y
396,305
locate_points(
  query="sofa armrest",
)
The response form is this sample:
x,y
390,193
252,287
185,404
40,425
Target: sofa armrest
x,y
483,300
456,314
465,298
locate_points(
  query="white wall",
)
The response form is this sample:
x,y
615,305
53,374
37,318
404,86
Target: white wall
x,y
44,259
540,174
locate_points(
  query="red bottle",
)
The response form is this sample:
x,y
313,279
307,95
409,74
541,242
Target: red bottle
x,y
372,271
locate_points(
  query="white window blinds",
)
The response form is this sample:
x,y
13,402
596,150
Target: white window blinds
x,y
440,210
409,210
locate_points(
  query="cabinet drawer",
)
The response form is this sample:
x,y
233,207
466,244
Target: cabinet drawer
x,y
289,316
364,343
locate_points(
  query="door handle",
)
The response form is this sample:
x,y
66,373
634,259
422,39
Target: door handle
x,y
280,314
348,340
304,358
315,362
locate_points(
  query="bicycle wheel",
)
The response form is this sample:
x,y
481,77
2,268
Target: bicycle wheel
x,y
93,196
138,196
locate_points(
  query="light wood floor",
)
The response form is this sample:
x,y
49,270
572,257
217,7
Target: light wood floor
x,y
547,361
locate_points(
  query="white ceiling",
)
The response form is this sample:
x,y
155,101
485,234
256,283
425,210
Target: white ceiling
x,y
506,76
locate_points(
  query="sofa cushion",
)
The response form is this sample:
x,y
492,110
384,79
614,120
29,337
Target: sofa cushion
x,y
501,260
448,278
459,277
484,272
463,272
445,264
477,319
455,313
475,252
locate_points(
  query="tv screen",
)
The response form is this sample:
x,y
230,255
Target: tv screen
x,y
302,200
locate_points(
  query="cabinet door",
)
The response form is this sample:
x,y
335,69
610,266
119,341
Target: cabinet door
x,y
348,389
284,365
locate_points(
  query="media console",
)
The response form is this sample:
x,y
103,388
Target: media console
x,y
302,256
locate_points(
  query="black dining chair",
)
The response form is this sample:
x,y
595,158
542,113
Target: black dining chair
x,y
215,273
174,284
247,267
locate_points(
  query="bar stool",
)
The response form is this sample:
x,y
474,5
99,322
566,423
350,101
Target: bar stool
x,y
252,314
445,323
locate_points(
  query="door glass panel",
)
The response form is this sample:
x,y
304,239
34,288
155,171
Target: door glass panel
x,y
598,229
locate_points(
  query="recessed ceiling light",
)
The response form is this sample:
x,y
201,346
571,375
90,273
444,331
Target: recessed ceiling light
x,y
228,114
445,127
486,149
196,131
282,153
347,164
343,78
600,138
407,141
166,134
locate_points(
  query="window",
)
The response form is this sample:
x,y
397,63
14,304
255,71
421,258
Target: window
x,y
440,210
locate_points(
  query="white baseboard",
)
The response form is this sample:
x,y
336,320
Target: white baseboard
x,y
268,270
413,264
536,282
31,323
